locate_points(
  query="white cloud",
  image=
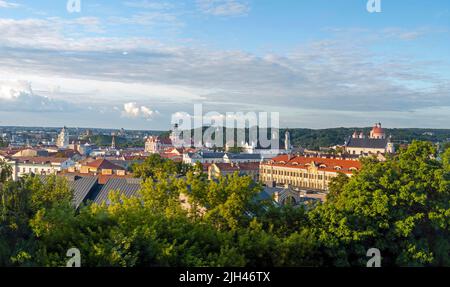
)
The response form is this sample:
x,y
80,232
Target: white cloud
x,y
19,96
12,90
223,7
5,4
133,110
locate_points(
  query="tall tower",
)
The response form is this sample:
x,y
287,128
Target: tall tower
x,y
390,146
113,143
287,140
175,136
63,138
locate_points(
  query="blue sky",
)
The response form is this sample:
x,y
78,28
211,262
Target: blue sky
x,y
134,63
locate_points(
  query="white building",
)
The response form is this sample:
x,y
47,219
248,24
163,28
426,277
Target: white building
x,y
220,157
38,165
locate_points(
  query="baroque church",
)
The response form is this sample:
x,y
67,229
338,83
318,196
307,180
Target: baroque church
x,y
376,143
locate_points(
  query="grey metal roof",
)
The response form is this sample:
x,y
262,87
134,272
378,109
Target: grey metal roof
x,y
126,186
244,156
211,154
81,186
367,143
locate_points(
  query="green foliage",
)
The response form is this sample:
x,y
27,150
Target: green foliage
x,y
5,171
156,166
235,149
121,142
401,206
336,186
20,202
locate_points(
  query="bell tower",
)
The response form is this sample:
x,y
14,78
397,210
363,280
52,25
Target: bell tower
x,y
287,141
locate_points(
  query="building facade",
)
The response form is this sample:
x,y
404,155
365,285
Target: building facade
x,y
38,166
217,170
310,173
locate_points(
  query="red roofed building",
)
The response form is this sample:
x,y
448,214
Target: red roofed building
x,y
312,173
251,169
103,167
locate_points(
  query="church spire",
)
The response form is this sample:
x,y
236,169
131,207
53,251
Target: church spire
x,y
113,143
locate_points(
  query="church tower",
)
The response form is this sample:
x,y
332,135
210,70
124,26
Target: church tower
x,y
175,136
287,141
113,143
390,148
63,138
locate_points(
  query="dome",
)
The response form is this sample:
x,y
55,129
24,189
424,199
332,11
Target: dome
x,y
377,131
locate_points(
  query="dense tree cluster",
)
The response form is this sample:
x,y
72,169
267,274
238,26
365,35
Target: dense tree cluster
x,y
401,206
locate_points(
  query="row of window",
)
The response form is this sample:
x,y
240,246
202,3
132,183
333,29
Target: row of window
x,y
297,174
301,184
36,170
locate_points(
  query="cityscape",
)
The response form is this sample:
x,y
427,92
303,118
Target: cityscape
x,y
318,138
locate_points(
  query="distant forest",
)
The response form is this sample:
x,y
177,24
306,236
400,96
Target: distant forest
x,y
311,139
314,139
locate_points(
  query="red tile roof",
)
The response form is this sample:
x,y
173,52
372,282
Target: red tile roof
x,y
249,166
325,164
104,164
226,167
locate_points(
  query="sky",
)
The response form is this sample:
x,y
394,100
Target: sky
x,y
134,63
